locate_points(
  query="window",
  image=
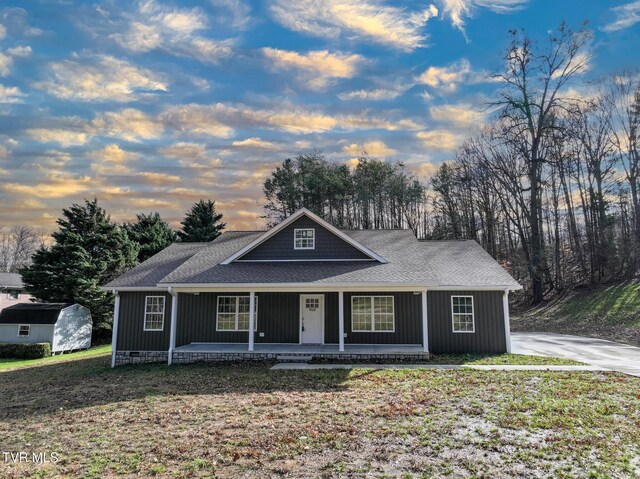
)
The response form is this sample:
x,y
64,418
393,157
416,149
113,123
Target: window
x,y
304,238
462,314
372,314
233,313
24,330
13,294
154,313
312,303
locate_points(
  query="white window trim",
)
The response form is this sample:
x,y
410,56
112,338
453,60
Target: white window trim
x,y
164,305
295,231
372,330
237,313
473,315
28,326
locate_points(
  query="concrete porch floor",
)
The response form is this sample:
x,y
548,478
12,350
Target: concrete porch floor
x,y
283,348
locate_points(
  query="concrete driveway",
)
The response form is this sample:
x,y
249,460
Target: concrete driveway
x,y
598,352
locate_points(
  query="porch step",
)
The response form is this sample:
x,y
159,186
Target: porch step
x,y
294,359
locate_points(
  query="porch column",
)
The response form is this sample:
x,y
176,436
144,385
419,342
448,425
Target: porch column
x,y
172,328
341,321
425,324
507,326
252,319
114,329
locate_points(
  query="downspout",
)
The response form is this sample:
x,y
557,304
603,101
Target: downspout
x,y
172,327
114,329
507,326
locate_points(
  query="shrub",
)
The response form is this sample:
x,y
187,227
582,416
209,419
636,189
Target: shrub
x,y
25,351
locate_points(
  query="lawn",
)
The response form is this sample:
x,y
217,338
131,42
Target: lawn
x,y
608,312
207,420
89,353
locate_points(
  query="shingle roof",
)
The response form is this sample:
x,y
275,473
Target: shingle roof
x,y
32,313
11,280
409,261
151,271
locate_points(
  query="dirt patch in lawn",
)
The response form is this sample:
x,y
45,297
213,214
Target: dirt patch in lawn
x,y
245,420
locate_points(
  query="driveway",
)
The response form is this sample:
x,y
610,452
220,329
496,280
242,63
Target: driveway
x,y
598,352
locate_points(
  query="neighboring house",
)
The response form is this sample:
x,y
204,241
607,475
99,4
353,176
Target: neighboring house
x,y
12,290
314,290
67,327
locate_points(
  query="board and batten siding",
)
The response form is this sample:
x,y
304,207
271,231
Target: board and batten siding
x,y
131,333
39,333
489,335
277,319
327,245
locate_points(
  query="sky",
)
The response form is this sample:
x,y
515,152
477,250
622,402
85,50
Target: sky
x,y
153,105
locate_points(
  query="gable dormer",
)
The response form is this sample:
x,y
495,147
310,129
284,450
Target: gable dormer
x,y
304,237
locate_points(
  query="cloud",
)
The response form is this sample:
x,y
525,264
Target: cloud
x,y
10,94
456,10
255,143
424,169
362,20
55,186
299,120
172,30
100,78
129,124
238,13
316,69
112,160
61,136
439,139
7,58
195,119
376,94
446,78
626,15
159,179
374,148
3,31
185,151
461,114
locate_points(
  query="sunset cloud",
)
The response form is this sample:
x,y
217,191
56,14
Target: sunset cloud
x,y
366,20
255,143
315,69
438,140
461,114
376,149
457,10
100,78
446,78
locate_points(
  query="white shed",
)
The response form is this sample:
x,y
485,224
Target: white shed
x,y
67,327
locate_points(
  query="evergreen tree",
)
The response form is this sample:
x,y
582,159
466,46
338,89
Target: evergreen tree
x,y
201,223
88,251
151,233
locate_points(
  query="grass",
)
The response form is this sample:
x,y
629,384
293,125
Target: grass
x,y
502,359
97,351
609,312
244,420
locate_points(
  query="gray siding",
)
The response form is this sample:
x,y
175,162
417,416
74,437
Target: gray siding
x,y
489,336
39,333
131,333
327,245
278,319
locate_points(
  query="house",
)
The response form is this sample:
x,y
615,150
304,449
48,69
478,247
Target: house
x,y
307,288
12,290
67,327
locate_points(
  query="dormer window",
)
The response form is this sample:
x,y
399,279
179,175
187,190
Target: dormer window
x,y
304,238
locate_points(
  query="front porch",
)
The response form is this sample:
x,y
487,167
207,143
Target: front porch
x,y
238,352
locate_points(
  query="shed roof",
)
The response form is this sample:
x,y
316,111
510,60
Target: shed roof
x,y
32,313
11,281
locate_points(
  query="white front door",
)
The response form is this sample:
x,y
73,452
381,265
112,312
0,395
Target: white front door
x,y
312,319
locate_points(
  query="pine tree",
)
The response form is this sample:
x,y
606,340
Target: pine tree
x,y
151,233
201,223
88,251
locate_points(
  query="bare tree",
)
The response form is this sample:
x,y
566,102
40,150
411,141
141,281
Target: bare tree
x,y
530,103
17,246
